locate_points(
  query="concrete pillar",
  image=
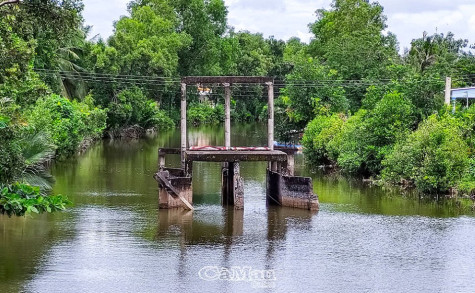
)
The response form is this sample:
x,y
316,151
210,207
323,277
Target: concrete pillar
x,y
270,107
227,112
183,124
290,164
161,160
273,196
232,186
183,186
188,171
448,90
225,174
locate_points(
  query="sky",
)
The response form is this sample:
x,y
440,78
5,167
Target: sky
x,y
283,19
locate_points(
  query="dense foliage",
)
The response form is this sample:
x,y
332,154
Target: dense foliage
x,y
395,126
67,123
21,199
363,107
132,107
434,157
205,114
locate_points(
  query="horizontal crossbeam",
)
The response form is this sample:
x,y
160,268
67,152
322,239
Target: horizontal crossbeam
x,y
226,79
235,156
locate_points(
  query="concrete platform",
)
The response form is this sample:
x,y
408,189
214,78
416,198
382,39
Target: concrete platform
x,y
235,156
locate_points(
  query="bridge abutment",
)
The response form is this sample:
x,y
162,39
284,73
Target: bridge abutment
x,y
290,191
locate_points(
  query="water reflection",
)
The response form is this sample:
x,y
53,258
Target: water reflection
x,y
115,238
226,226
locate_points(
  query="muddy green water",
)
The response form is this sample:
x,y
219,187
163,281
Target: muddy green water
x,y
114,239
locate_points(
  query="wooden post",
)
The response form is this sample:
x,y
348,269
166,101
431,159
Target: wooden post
x,y
227,111
270,123
183,124
448,90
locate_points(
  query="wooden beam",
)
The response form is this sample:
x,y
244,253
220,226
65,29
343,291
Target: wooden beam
x,y
185,202
227,112
169,151
226,79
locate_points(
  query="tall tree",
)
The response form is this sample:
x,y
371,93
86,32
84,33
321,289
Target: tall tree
x,y
205,21
147,41
351,38
437,53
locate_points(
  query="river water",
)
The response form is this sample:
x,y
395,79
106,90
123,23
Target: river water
x,y
114,238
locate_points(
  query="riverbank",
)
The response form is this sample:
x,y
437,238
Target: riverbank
x,y
465,202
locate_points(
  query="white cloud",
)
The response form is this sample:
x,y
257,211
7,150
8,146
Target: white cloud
x,y
410,24
102,14
287,18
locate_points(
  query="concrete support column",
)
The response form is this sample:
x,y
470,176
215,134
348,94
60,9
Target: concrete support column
x,y
232,187
183,124
448,90
290,164
270,107
161,161
188,171
227,113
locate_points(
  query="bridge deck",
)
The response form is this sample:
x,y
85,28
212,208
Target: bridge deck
x,y
234,156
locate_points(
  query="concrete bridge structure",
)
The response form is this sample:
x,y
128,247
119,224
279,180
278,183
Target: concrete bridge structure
x,y
282,187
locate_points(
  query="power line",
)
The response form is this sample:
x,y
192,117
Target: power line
x,y
160,83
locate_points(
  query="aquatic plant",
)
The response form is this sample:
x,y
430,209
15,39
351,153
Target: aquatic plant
x,y
21,199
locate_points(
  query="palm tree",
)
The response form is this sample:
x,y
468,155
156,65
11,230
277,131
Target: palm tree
x,y
37,150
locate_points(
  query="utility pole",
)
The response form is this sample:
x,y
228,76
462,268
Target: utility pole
x,y
448,90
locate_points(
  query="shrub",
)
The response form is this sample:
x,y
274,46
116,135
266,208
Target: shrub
x,y
467,184
318,134
134,108
20,199
205,114
67,123
11,160
368,136
434,157
94,118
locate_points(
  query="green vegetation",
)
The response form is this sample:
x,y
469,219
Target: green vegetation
x,y
434,157
364,108
205,114
66,123
21,199
134,108
396,127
